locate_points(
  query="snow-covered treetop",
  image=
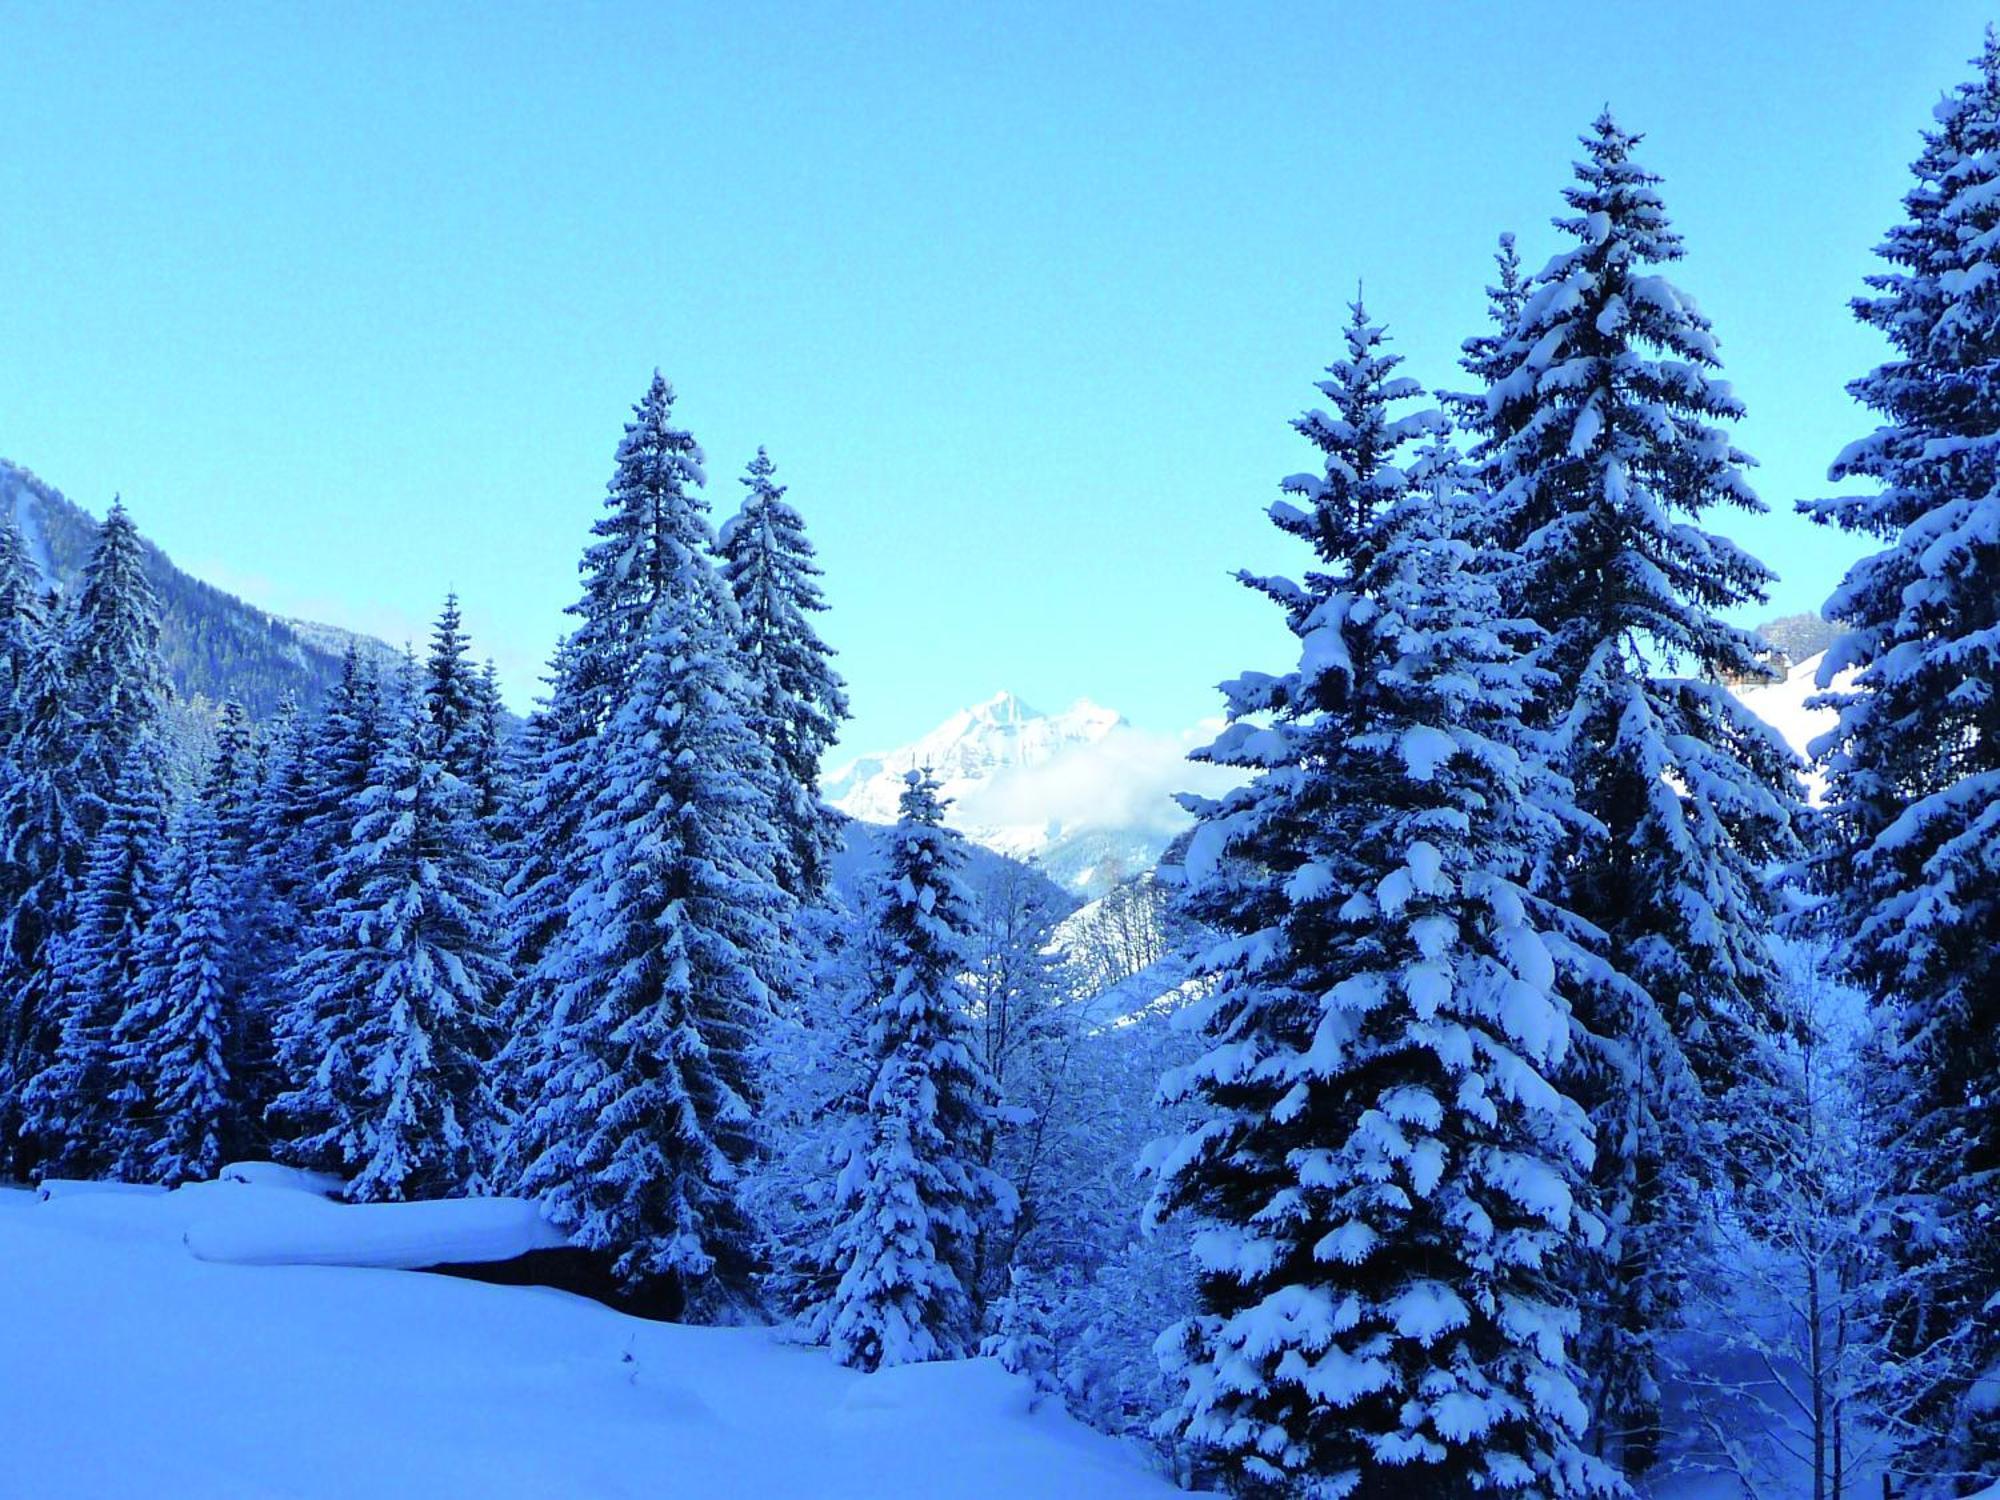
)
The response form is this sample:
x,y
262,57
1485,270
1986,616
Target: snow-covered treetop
x,y
1605,438
1914,746
1361,441
653,538
1358,440
1940,308
768,563
18,578
451,688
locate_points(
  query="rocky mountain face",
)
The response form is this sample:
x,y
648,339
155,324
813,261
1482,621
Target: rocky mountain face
x,y
216,646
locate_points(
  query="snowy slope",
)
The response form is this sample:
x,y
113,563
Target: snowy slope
x,y
1782,705
1083,792
214,645
128,1367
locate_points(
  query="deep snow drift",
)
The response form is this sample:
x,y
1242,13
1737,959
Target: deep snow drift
x,y
130,1367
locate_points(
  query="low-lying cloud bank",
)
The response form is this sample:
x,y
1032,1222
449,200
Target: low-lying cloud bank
x,y
1125,780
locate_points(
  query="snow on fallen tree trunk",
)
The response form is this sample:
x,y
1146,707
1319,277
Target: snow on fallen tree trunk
x,y
297,1229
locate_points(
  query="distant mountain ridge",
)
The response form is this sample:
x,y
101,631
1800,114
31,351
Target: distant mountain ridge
x,y
1026,784
215,645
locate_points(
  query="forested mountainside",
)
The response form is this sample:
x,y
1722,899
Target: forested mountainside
x,y
214,645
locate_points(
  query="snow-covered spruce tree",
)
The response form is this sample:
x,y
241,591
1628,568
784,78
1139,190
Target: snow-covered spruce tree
x,y
344,756
801,699
656,477
318,1001
179,1043
81,1105
1385,1173
115,668
253,947
1913,776
428,974
543,859
490,766
269,902
1483,355
91,694
1604,446
636,558
454,697
637,1107
278,812
913,1195
36,718
20,632
388,1041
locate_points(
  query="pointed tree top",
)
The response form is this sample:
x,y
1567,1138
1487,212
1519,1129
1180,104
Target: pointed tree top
x,y
920,802
757,478
1617,212
1607,139
651,436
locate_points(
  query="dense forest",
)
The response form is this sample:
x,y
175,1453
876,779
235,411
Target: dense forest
x,y
1516,1085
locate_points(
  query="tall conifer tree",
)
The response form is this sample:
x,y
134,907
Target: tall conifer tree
x,y
79,1104
94,691
1913,777
656,476
30,692
453,695
1386,1169
319,1002
638,1096
428,973
178,1047
20,633
113,639
914,1194
41,860
1605,446
801,700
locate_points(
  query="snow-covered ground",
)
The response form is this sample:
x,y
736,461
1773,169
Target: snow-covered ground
x,y
130,1367
1782,705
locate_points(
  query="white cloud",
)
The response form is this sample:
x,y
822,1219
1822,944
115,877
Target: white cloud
x,y
1126,780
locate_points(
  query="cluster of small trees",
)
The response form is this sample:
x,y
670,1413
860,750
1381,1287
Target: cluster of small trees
x,y
1530,1041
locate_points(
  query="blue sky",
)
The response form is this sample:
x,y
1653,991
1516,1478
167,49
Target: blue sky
x,y
349,301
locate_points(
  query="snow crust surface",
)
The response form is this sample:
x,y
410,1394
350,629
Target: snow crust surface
x,y
304,1229
129,1367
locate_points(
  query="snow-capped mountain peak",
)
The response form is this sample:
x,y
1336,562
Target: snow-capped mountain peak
x,y
1081,791
967,751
